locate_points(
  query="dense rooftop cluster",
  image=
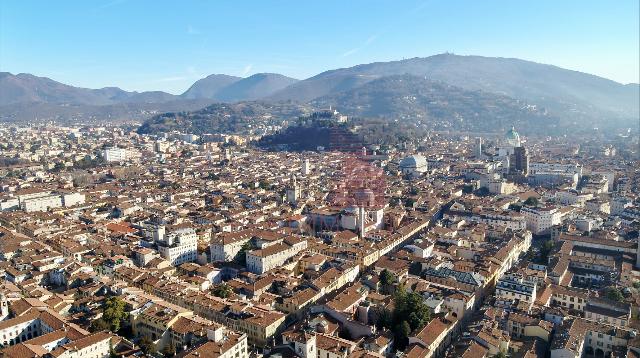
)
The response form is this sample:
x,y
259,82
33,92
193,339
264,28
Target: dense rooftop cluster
x,y
114,243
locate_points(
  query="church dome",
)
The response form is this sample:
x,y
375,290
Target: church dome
x,y
512,137
413,161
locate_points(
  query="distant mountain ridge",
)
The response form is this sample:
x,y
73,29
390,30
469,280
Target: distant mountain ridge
x,y
564,94
413,100
545,85
27,88
210,86
254,87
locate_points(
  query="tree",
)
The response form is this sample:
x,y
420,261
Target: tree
x,y
112,350
241,256
531,201
415,268
386,280
146,344
410,314
264,185
411,307
222,290
401,335
500,355
169,350
515,207
545,250
58,167
409,202
99,325
81,180
114,314
384,318
614,294
483,191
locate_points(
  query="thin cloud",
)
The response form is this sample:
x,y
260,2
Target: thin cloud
x,y
247,69
367,42
191,73
192,30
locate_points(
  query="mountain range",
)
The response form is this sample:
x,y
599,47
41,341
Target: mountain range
x,y
452,85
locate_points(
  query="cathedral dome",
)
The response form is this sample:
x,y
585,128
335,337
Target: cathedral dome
x,y
512,137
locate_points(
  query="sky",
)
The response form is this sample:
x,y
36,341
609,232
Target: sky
x,y
167,45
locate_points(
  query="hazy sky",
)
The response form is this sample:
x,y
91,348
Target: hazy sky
x,y
167,45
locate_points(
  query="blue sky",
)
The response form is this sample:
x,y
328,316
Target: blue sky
x,y
167,45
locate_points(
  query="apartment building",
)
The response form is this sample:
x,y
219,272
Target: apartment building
x,y
222,343
579,337
225,246
609,312
179,246
65,344
263,260
436,335
513,287
155,319
543,167
116,154
41,203
541,219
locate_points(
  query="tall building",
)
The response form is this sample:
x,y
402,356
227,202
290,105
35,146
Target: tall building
x,y
306,167
293,191
519,161
478,147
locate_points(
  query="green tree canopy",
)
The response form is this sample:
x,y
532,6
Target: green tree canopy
x,y
531,201
146,344
222,290
545,251
614,294
114,313
410,314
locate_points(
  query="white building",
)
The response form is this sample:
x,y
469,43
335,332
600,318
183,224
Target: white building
x,y
115,154
293,191
541,219
566,168
9,204
572,197
71,199
225,246
274,256
511,140
179,246
41,203
513,287
618,204
414,165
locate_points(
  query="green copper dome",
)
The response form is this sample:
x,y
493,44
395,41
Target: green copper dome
x,y
512,137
